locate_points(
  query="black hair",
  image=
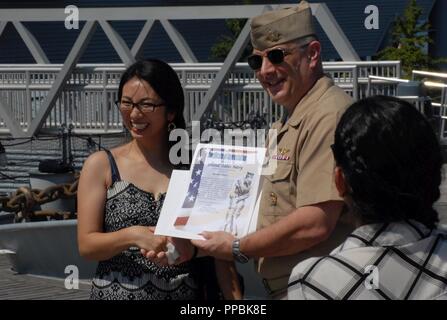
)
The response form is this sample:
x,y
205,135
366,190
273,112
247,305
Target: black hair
x,y
164,80
391,160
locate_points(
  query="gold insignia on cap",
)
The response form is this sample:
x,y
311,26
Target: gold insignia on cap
x,y
273,36
273,199
282,25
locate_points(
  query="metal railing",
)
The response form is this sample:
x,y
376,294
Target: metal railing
x,y
375,82
437,83
429,74
87,99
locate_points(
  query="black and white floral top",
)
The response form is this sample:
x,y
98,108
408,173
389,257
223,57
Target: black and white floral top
x,y
129,275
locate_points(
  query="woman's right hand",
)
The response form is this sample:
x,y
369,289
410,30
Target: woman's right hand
x,y
146,240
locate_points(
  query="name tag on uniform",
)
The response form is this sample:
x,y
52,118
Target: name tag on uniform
x,y
282,154
280,157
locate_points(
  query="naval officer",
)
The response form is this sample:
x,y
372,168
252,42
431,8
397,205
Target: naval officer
x,y
300,207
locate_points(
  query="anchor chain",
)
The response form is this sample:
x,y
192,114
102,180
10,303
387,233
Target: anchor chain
x,y
23,201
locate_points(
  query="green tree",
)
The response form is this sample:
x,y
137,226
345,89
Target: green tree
x,y
222,47
409,42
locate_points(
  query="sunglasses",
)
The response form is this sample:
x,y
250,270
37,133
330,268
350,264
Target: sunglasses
x,y
275,56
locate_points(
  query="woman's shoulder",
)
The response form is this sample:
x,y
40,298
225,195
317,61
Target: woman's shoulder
x,y
98,164
101,157
97,158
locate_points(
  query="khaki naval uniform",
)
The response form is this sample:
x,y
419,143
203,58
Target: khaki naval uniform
x,y
304,174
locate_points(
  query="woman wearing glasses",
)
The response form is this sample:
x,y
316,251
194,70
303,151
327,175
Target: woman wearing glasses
x,y
121,193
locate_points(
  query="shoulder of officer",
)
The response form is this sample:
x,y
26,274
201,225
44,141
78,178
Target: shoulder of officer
x,y
331,98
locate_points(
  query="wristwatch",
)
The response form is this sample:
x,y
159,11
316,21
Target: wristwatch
x,y
237,254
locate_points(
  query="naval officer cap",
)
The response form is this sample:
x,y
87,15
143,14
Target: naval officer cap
x,y
280,26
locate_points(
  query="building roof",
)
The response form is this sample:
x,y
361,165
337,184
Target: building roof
x,y
200,35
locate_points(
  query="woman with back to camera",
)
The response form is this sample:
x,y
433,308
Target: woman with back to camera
x,y
388,170
121,193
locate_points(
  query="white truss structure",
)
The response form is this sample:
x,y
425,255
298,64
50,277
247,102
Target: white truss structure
x,y
101,17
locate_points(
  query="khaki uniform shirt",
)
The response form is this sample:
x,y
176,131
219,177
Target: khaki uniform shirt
x,y
304,173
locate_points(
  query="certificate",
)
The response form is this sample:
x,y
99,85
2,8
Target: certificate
x,y
219,193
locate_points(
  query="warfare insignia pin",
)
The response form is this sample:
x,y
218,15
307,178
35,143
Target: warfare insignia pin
x,y
273,36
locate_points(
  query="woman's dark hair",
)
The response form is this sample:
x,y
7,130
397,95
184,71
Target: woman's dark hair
x,y
163,80
391,161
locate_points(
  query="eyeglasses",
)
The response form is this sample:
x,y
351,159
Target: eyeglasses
x,y
142,106
275,56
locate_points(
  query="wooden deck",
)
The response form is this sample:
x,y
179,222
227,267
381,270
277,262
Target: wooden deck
x,y
26,287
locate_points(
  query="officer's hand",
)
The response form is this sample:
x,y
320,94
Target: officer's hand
x,y
217,244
